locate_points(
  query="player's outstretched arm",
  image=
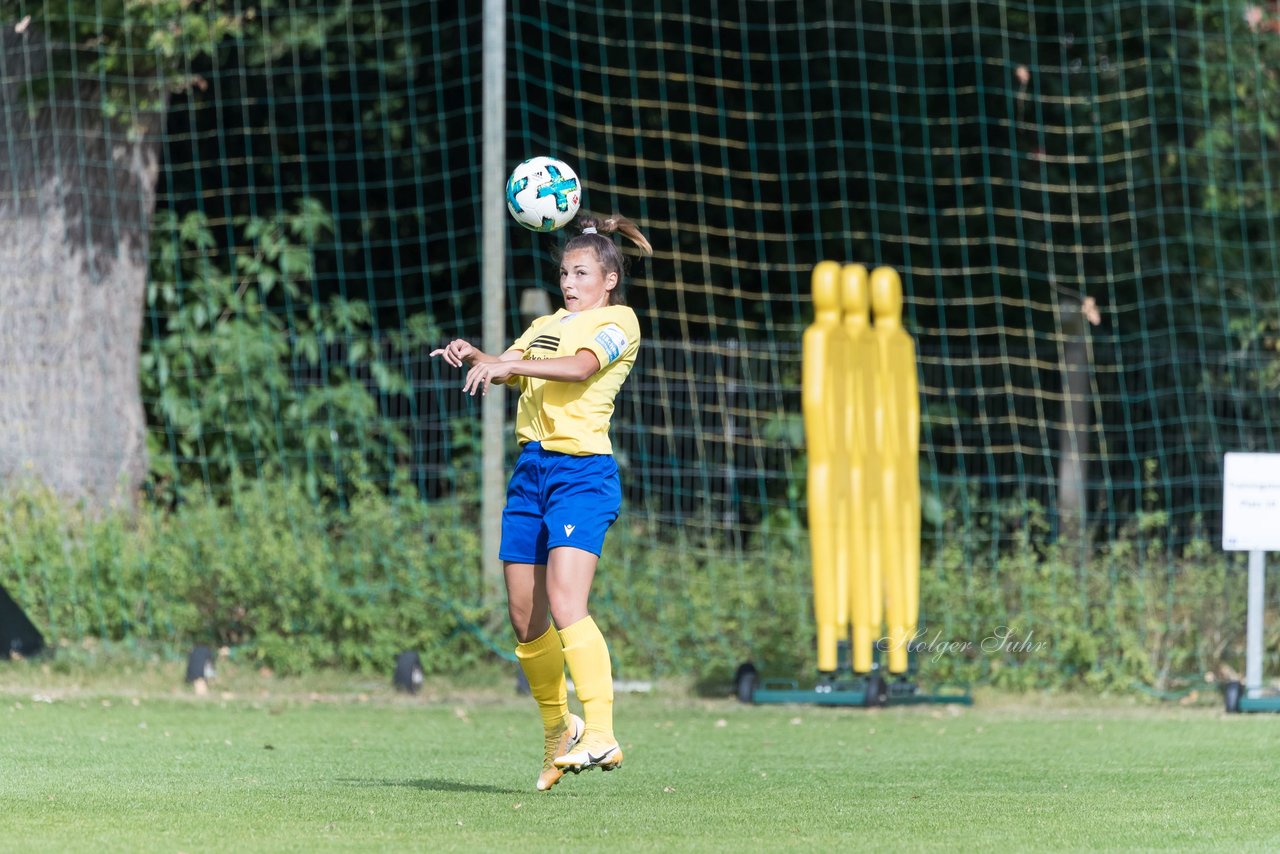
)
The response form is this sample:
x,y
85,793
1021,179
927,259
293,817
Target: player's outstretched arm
x,y
459,352
570,369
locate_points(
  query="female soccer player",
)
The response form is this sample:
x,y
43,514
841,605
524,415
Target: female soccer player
x,y
564,493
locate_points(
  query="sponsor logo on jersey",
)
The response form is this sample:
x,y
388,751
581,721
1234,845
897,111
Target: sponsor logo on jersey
x,y
613,340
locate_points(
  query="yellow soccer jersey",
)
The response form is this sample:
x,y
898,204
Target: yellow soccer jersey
x,y
573,418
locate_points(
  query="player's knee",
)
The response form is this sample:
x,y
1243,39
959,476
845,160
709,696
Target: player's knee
x,y
568,607
527,625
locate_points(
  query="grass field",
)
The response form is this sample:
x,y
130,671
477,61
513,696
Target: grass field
x,y
134,761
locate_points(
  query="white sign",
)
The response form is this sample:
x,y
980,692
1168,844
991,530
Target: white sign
x,y
1251,503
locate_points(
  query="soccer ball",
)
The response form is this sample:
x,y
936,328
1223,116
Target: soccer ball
x,y
543,194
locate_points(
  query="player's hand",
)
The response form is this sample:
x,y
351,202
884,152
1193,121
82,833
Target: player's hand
x,y
456,352
479,377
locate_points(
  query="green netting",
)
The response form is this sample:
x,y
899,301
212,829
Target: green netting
x,y
316,229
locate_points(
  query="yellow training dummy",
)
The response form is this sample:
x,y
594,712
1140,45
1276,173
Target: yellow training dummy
x,y
898,442
824,404
866,606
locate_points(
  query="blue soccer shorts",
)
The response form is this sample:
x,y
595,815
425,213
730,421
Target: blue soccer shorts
x,y
556,500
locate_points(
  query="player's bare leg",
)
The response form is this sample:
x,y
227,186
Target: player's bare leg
x,y
542,660
569,575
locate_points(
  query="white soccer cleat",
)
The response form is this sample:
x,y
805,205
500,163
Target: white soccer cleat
x,y
595,750
558,742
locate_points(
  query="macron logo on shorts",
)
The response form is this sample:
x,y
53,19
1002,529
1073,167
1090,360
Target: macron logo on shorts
x,y
613,340
568,530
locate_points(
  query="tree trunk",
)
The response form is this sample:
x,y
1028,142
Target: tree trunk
x,y
1073,439
76,200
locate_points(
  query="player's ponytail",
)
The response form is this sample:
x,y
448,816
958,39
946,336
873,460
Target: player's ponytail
x,y
621,225
594,235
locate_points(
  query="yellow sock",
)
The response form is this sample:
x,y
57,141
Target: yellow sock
x,y
542,661
588,659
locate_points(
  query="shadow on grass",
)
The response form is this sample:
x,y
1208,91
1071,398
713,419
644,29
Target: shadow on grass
x,y
431,785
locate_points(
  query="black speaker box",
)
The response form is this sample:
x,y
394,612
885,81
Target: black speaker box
x,y
17,633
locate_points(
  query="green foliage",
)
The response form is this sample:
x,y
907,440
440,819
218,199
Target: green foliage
x,y
233,335
297,584
284,580
679,603
139,51
1040,614
1238,122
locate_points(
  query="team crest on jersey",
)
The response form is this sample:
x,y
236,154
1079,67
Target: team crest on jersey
x,y
613,340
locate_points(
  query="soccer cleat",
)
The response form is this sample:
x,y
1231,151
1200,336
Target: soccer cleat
x,y
595,750
558,741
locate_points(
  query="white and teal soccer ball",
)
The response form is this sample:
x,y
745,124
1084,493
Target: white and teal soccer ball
x,y
543,194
